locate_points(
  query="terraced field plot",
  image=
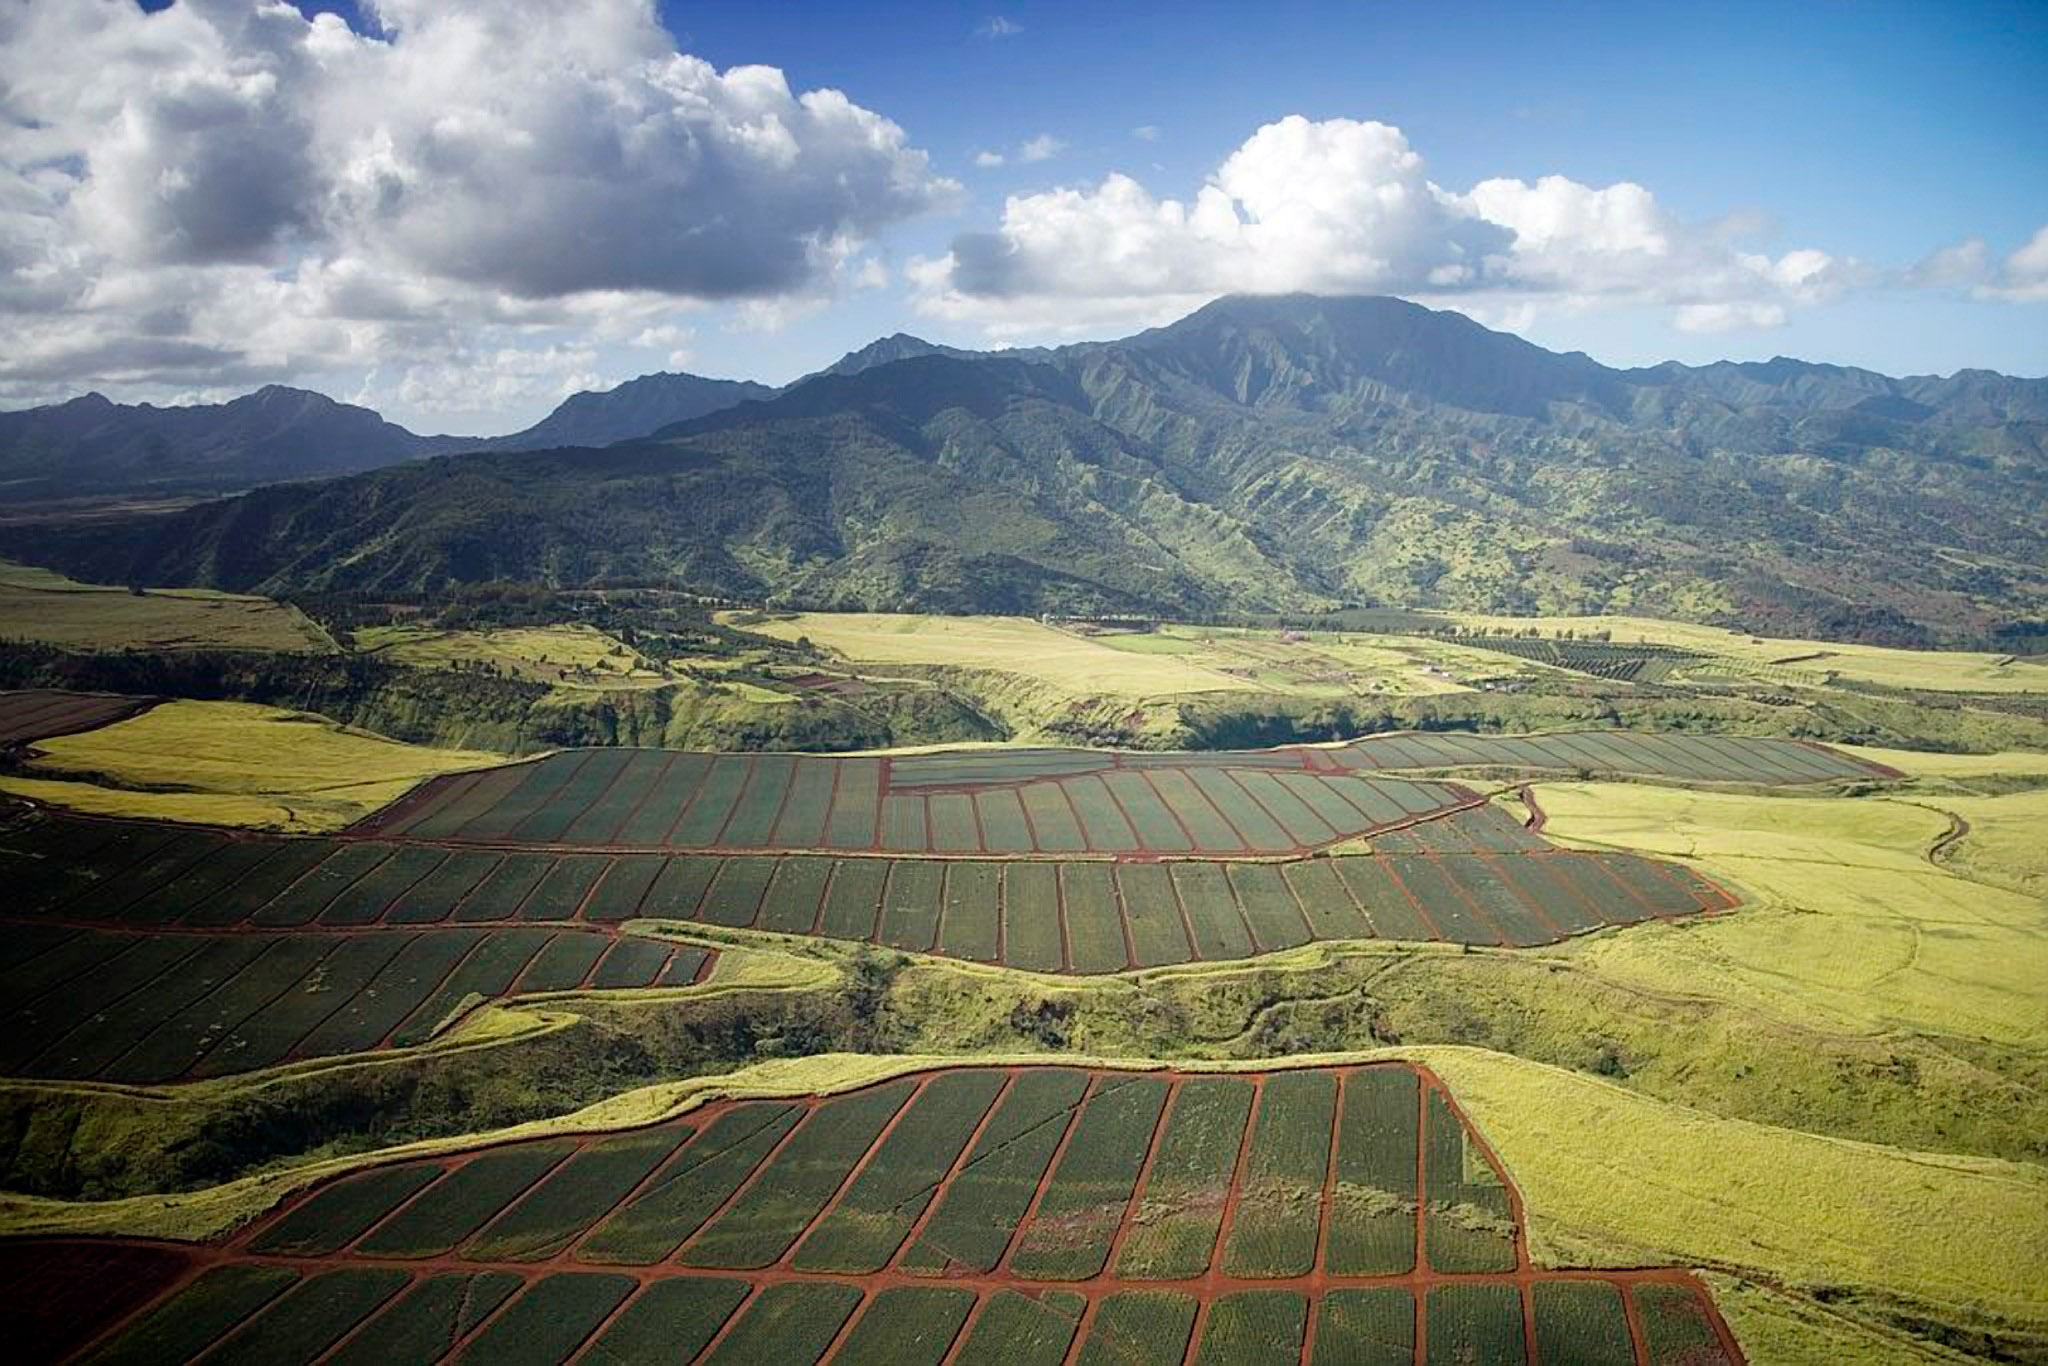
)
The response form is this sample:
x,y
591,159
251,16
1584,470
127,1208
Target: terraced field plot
x,y
37,713
1037,1214
1686,758
1473,876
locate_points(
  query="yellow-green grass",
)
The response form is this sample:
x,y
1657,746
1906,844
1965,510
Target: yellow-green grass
x,y
1935,670
1849,926
36,604
571,655
232,763
1323,663
2009,764
1069,663
2006,842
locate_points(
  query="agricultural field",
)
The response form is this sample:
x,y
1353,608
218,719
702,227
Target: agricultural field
x,y
563,656
1288,801
228,763
40,713
40,605
980,1214
1472,877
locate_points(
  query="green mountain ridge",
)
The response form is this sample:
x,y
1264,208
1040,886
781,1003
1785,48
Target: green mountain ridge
x,y
1263,454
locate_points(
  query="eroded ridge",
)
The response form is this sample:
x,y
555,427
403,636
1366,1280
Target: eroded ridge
x,y
1019,1214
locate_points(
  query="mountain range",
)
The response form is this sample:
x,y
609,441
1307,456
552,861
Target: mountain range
x,y
1270,454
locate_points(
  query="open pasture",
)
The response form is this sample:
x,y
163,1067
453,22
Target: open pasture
x,y
973,802
1486,885
151,1007
1015,1214
38,713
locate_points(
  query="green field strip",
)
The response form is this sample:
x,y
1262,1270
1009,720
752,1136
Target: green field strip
x,y
394,993
970,925
1156,826
791,1322
424,1324
1139,1328
1094,920
1469,1224
1676,1329
367,898
1256,829
853,900
1068,1235
625,885
808,806
545,1325
678,889
562,964
269,1036
172,901
1179,1212
1374,1327
903,824
31,951
489,970
1371,1225
129,966
500,895
1476,1322
1372,801
790,1190
574,1196
102,1037
1158,935
1325,901
631,963
1456,918
1015,1329
683,967
905,1326
538,784
1270,910
1277,1222
109,897
603,821
309,1318
591,780
760,803
1602,895
953,828
795,895
170,1049
979,1208
1254,1327
451,1210
668,1321
564,888
856,805
691,1187
1581,1322
434,897
649,821
1211,833
716,793
910,904
1102,820
1750,763
442,807
1534,876
1316,793
54,861
1396,842
1008,766
734,897
1518,919
886,1199
1630,888
1001,818
1053,822
1031,917
338,1213
1648,880
185,1325
1210,907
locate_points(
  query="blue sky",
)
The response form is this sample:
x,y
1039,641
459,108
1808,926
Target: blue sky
x,y
446,209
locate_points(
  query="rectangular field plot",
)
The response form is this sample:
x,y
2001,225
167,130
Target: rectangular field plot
x,y
985,1215
1694,758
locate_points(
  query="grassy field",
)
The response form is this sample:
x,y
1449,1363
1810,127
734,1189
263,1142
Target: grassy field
x,y
568,655
1322,664
232,763
1069,664
1939,671
36,604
